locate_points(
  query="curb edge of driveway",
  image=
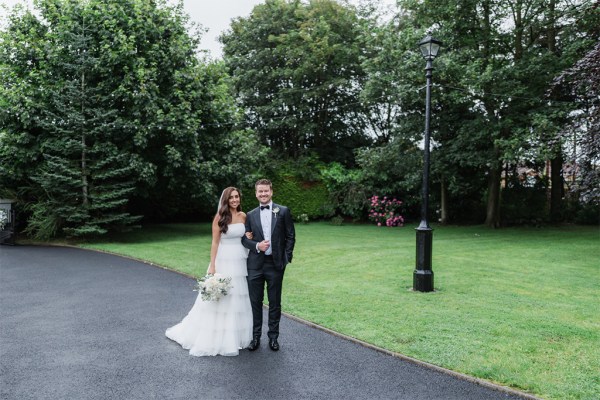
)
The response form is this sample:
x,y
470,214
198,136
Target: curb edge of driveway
x,y
424,364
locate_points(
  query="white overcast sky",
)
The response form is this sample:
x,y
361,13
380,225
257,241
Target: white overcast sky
x,y
214,15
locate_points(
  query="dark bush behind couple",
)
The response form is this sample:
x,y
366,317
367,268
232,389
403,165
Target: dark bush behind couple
x,y
253,250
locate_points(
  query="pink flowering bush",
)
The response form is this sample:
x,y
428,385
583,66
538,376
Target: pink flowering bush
x,y
384,211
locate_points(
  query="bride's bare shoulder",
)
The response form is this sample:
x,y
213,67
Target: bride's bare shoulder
x,y
240,217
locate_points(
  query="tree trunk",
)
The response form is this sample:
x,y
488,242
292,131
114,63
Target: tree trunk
x,y
556,188
492,218
519,28
84,179
551,10
444,202
556,164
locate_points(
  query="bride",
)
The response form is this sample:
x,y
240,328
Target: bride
x,y
221,327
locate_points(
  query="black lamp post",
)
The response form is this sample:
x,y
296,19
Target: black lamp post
x,y
423,275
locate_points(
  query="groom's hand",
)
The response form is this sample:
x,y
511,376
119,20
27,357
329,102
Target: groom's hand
x,y
264,245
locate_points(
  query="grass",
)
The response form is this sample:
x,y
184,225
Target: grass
x,y
518,307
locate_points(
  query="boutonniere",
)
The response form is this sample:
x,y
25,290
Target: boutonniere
x,y
275,211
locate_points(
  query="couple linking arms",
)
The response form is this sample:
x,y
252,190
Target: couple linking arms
x,y
267,243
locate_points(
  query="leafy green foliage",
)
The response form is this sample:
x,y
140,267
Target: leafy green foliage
x,y
108,109
393,169
347,196
310,198
334,91
582,83
534,193
490,83
81,179
296,71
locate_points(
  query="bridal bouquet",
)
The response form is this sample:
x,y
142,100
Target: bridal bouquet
x,y
213,287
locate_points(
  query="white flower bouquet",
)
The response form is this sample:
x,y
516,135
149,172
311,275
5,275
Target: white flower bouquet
x,y
213,287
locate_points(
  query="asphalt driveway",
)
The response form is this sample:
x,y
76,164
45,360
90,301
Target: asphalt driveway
x,y
78,324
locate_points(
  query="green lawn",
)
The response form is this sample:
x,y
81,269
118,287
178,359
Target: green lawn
x,y
514,306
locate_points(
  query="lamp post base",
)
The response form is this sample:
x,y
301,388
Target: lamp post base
x,y
423,275
423,280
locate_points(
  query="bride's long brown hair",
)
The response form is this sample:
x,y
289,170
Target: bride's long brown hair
x,y
224,213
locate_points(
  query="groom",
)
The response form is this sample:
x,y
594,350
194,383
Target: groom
x,y
271,249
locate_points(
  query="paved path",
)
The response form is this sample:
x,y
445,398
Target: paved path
x,y
77,324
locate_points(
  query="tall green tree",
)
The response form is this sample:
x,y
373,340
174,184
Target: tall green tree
x,y
393,70
581,83
492,77
86,181
297,72
394,88
108,109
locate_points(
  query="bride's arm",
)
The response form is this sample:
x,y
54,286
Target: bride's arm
x,y
247,240
216,238
248,234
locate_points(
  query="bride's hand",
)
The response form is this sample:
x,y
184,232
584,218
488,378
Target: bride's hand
x,y
249,235
211,269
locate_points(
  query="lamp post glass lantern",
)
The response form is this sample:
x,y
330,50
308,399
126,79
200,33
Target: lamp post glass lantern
x,y
430,47
423,274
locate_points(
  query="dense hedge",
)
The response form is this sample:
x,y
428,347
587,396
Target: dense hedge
x,y
310,198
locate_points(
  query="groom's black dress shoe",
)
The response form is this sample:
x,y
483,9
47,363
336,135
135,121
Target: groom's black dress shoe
x,y
254,344
273,344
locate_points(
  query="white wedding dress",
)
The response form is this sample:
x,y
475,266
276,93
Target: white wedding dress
x,y
220,327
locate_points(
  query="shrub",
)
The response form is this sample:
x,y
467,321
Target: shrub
x,y
301,197
524,205
385,211
347,194
337,220
588,214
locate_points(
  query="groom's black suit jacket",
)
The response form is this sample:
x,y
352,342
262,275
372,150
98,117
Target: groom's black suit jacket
x,y
283,237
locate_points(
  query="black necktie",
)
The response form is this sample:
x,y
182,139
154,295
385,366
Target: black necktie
x,y
263,207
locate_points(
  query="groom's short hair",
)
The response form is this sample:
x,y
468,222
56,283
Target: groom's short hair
x,y
263,182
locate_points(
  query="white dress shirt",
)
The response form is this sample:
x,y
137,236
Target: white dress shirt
x,y
265,220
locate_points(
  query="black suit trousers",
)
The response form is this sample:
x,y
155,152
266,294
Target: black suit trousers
x,y
257,278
